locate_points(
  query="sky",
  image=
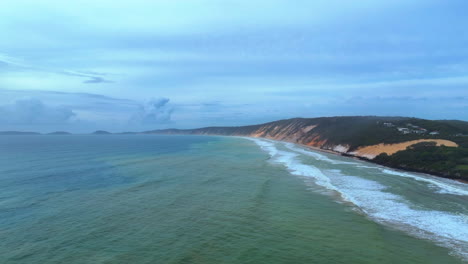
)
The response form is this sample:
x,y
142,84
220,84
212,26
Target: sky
x,y
138,65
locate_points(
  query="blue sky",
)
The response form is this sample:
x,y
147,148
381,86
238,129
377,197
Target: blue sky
x,y
139,65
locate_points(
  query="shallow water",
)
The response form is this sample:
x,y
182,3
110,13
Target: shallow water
x,y
199,199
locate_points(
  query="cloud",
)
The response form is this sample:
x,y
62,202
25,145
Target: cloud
x,y
153,112
34,112
92,77
14,64
96,80
269,54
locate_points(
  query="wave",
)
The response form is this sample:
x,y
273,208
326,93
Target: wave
x,y
444,185
372,199
316,155
447,229
288,159
366,167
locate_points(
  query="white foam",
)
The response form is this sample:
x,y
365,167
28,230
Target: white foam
x,y
447,229
366,167
289,160
443,185
315,155
265,145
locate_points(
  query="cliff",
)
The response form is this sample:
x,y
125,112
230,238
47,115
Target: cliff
x,y
437,147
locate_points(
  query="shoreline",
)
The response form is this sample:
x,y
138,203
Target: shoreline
x,y
330,152
354,157
375,163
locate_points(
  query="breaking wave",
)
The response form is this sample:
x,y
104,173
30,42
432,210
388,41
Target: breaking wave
x,y
372,198
443,185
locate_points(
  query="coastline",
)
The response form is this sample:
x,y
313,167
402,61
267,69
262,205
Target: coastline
x,y
331,152
386,166
356,157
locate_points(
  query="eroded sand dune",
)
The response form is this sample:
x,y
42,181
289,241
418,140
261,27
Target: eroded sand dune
x,y
371,152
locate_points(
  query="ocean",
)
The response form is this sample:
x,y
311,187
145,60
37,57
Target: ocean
x,y
205,199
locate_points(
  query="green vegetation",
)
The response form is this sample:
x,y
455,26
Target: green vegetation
x,y
366,131
450,162
444,161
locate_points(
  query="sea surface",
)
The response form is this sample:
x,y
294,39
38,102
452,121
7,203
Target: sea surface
x,y
203,199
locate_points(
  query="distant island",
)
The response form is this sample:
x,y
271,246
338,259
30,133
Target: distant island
x,y
438,147
59,133
101,132
18,133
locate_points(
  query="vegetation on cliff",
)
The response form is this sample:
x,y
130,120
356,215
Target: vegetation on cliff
x,y
444,161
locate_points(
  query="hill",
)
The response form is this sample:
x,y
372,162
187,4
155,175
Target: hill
x,y
59,133
438,147
101,132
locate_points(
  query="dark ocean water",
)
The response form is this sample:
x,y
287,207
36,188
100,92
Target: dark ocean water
x,y
199,199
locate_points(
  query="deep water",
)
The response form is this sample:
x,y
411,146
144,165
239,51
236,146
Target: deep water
x,y
201,199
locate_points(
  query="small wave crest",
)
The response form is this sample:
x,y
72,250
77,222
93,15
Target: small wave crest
x,y
443,185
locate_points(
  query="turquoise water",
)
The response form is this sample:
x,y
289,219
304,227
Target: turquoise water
x,y
196,199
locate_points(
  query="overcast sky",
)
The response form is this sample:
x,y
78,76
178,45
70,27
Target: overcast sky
x,y
138,65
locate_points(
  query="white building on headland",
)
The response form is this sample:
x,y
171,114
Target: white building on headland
x,y
403,130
